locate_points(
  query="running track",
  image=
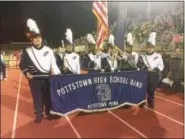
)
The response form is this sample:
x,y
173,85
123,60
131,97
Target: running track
x,y
166,121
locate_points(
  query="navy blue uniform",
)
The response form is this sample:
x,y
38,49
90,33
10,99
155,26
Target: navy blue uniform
x,y
71,61
154,64
39,61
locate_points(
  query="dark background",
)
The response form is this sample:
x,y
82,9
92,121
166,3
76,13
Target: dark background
x,y
54,17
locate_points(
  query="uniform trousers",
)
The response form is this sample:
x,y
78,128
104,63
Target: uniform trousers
x,y
153,81
41,95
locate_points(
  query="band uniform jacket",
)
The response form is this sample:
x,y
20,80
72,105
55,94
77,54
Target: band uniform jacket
x,y
59,61
151,61
109,63
129,61
38,61
72,62
87,61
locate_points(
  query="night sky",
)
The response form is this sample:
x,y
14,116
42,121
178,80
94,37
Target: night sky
x,y
54,17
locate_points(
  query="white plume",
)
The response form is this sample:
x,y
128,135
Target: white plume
x,y
69,35
90,39
62,41
32,25
111,39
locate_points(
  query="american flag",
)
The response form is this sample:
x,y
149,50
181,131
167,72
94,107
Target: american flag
x,y
101,12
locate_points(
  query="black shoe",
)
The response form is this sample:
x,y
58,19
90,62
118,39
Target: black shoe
x,y
38,119
150,105
49,117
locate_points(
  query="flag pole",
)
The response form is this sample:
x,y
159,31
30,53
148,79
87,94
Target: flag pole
x,y
148,11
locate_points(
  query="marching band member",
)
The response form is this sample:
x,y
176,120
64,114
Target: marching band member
x,y
109,61
131,57
71,60
93,60
152,62
128,59
38,59
87,58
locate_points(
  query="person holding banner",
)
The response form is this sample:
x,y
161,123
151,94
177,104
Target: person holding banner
x,y
152,62
71,60
38,61
130,59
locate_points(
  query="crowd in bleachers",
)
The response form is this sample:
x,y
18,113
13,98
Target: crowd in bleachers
x,y
167,26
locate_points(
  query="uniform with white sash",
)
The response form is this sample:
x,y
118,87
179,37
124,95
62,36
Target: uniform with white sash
x,y
39,62
153,62
129,61
59,61
72,62
109,63
92,62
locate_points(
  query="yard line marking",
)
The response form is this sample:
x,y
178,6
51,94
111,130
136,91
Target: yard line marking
x,y
16,107
121,120
72,126
169,101
169,118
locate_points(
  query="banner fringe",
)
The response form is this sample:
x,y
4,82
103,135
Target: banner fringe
x,y
97,110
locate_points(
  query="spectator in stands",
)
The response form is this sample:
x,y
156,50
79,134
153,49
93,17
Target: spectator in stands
x,y
175,64
166,60
173,77
3,68
176,40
